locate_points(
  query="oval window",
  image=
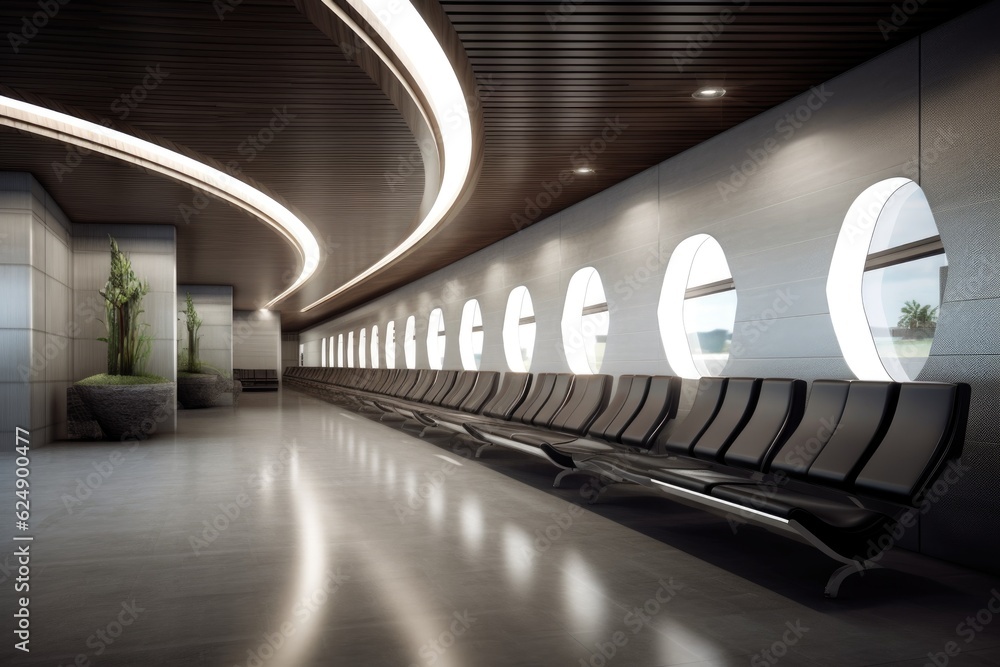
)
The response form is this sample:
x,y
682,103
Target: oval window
x,y
436,339
340,350
410,342
890,255
470,335
585,322
519,330
697,309
374,345
322,352
362,336
390,345
350,349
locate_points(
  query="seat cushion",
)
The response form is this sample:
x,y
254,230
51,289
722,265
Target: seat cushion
x,y
700,481
849,530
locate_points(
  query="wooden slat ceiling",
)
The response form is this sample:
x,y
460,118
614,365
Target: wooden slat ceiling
x,y
550,74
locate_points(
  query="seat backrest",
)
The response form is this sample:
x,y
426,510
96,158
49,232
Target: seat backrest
x,y
402,378
927,426
511,395
822,414
628,398
425,378
410,378
737,407
541,389
862,425
387,379
708,400
778,411
587,399
484,390
442,385
659,407
562,385
460,390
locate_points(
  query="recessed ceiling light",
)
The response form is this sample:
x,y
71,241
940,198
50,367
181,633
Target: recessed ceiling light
x,y
709,93
585,170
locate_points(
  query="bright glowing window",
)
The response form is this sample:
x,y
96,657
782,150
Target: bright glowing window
x,y
585,322
331,360
697,310
322,352
374,344
350,349
302,355
390,345
340,350
890,254
470,335
519,330
436,339
410,342
362,336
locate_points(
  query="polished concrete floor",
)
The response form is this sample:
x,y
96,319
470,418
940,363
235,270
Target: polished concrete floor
x,y
292,532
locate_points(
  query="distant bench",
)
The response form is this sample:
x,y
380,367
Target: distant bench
x,y
257,378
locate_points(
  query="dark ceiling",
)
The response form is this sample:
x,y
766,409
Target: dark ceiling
x,y
551,76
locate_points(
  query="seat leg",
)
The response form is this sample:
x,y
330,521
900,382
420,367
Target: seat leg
x,y
837,578
480,448
562,474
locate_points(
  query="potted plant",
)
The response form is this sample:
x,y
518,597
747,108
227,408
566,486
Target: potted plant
x,y
125,401
195,388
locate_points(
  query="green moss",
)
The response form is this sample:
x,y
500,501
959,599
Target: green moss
x,y
185,374
103,379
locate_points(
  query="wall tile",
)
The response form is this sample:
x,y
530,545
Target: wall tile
x,y
15,306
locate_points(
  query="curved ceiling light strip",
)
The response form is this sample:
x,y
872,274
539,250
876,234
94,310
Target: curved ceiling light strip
x,y
100,139
400,25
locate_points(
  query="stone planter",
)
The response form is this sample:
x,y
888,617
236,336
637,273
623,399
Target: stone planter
x,y
199,390
128,410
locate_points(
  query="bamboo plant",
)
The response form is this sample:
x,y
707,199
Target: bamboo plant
x,y
192,363
128,345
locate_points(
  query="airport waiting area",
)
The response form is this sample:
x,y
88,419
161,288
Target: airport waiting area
x,y
428,333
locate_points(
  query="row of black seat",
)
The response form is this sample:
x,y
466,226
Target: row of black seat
x,y
835,471
257,378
